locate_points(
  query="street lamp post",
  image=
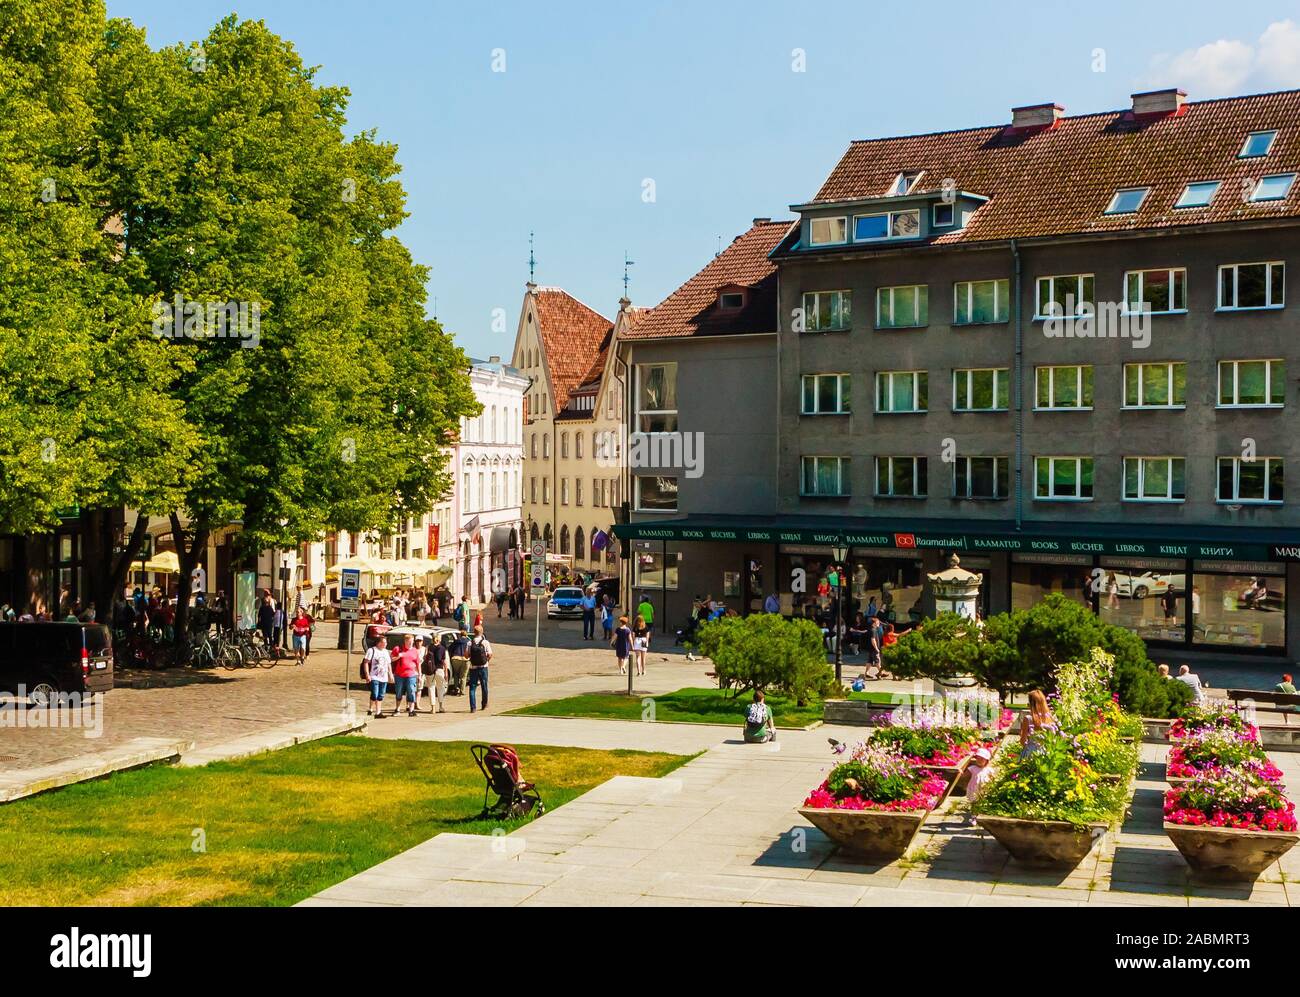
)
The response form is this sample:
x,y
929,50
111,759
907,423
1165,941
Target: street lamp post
x,y
840,552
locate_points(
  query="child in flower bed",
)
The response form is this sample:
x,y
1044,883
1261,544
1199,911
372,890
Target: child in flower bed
x,y
877,779
1244,798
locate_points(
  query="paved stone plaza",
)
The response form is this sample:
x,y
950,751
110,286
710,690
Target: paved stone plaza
x,y
723,830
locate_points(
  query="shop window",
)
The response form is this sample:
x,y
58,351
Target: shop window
x,y
653,572
1239,606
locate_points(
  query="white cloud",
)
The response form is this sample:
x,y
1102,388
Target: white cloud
x,y
1231,66
1279,54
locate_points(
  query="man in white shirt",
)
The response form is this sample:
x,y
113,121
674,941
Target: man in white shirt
x,y
1186,677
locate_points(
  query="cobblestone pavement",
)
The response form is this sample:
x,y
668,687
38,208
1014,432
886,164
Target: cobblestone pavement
x,y
213,707
723,830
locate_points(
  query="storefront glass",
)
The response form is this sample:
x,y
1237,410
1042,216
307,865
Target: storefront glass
x,y
650,570
1146,596
1033,578
1239,605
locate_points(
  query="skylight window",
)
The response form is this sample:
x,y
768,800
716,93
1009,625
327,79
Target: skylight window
x,y
1257,144
1198,195
904,182
1127,201
1274,188
730,300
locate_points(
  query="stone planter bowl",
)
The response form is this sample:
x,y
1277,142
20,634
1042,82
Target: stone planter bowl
x,y
880,835
1043,842
1228,852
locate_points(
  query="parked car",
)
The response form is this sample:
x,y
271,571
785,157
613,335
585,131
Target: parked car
x,y
1146,584
47,659
565,601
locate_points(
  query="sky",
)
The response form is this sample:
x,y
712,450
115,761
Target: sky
x,y
658,131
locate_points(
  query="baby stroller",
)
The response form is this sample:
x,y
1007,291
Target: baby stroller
x,y
500,767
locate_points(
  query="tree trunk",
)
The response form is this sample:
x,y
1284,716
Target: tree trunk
x,y
187,553
106,570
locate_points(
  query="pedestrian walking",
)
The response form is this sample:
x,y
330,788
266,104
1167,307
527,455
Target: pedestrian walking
x,y
500,600
377,664
406,673
622,644
589,615
480,654
302,627
433,676
607,617
266,618
640,643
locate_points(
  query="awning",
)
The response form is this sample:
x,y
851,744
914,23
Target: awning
x,y
983,536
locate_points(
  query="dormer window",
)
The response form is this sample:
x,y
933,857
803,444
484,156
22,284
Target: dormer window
x,y
1275,188
1257,144
828,231
1127,200
730,301
887,225
904,183
942,215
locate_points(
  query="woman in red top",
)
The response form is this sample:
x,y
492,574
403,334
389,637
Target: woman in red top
x,y
406,670
301,624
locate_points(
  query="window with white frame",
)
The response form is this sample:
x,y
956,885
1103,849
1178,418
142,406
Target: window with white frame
x,y
902,391
904,307
1156,291
1252,285
1252,383
942,214
904,224
1063,478
1127,200
826,394
1155,479
1199,194
1272,188
1064,387
827,311
656,398
1064,295
903,183
822,477
980,389
656,493
1155,385
981,477
1257,144
1250,481
901,477
828,231
980,302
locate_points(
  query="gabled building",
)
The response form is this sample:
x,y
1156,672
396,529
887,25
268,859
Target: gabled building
x,y
573,403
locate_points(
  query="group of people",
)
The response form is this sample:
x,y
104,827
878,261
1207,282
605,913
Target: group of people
x,y
414,668
631,640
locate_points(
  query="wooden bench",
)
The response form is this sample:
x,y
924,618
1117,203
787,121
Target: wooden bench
x,y
1270,702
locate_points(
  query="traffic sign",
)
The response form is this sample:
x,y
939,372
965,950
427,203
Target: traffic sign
x,y
538,550
350,584
537,569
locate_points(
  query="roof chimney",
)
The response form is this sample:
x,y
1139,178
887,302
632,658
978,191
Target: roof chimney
x,y
494,359
761,221
1168,101
1036,116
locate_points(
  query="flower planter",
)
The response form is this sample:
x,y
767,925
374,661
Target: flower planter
x,y
1230,852
1043,842
881,835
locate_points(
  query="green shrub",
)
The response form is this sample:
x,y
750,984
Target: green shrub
x,y
765,651
1050,784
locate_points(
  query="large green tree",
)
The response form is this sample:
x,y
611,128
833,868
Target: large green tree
x,y
86,418
230,169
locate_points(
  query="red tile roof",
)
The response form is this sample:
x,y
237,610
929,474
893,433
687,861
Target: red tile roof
x,y
572,337
692,309
1059,180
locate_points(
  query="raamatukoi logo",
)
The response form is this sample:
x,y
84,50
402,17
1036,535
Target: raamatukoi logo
x,y
94,951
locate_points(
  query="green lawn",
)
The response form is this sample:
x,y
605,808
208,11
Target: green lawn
x,y
701,706
277,828
879,697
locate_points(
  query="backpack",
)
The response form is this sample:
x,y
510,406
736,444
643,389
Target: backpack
x,y
459,614
477,654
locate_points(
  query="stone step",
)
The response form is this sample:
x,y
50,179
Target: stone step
x,y
262,741
133,754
